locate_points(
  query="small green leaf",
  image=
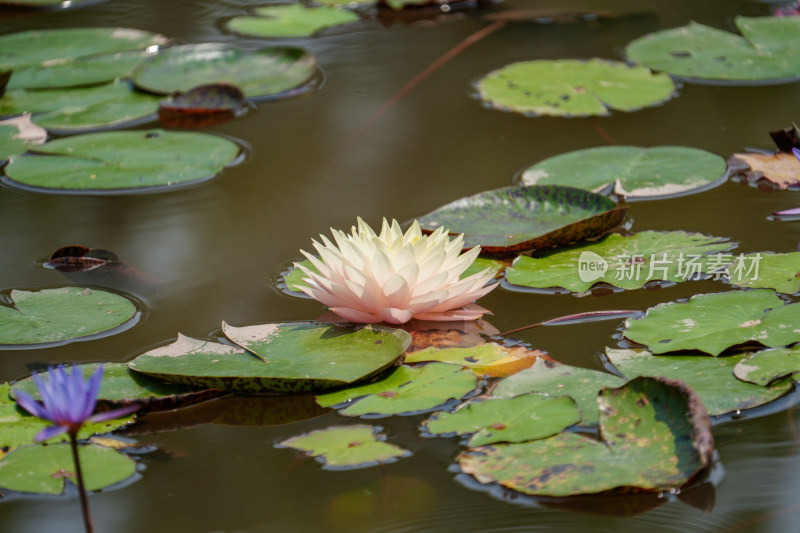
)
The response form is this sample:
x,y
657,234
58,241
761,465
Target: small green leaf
x,y
406,390
767,366
573,88
772,271
556,379
43,469
712,378
517,419
53,315
347,447
485,359
289,20
715,322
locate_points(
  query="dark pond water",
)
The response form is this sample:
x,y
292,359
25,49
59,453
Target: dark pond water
x,y
214,249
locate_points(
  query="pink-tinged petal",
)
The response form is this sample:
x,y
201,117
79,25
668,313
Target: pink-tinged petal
x,y
463,299
32,406
393,315
787,212
49,432
469,312
356,316
396,291
114,413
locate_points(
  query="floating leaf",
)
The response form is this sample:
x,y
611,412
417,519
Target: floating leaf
x,y
406,390
657,437
765,53
53,315
485,359
83,108
626,262
772,271
18,427
781,169
18,134
59,46
573,88
43,469
767,366
123,160
635,172
289,20
43,4
524,417
86,70
293,357
712,378
121,386
555,379
515,219
347,446
713,322
261,73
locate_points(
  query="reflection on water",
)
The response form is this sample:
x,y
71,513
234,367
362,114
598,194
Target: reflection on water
x,y
214,249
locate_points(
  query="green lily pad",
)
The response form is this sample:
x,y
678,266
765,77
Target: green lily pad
x,y
18,427
122,386
712,378
347,447
292,357
123,160
43,4
626,262
573,88
17,135
555,379
78,109
656,437
86,70
406,390
484,359
524,417
54,315
293,278
516,219
766,52
42,469
767,366
772,271
290,20
60,46
261,73
635,172
714,322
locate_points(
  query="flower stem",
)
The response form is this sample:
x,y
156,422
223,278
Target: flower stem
x,y
87,518
580,317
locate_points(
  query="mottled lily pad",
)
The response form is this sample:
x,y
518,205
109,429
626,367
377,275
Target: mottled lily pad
x,y
18,134
406,390
485,359
517,419
44,469
712,378
121,386
347,446
516,219
556,379
79,109
67,313
289,20
766,52
292,357
123,160
634,172
627,262
766,367
573,88
656,437
771,271
261,73
18,427
714,322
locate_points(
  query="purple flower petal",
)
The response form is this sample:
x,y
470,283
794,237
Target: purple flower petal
x,y
32,406
796,152
788,212
115,413
49,432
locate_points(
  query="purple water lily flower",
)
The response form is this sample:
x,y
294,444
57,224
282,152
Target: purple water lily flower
x,y
67,401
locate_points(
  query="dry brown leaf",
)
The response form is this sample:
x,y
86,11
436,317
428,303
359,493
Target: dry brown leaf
x,y
782,169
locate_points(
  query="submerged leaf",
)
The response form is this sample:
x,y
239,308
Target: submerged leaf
x,y
347,446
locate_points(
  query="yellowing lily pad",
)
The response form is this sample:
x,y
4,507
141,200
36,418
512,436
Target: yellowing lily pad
x,y
486,359
347,447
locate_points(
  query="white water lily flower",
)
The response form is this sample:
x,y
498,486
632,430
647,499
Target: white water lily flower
x,y
394,277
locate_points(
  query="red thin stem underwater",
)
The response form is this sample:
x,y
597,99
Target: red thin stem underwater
x,y
87,518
